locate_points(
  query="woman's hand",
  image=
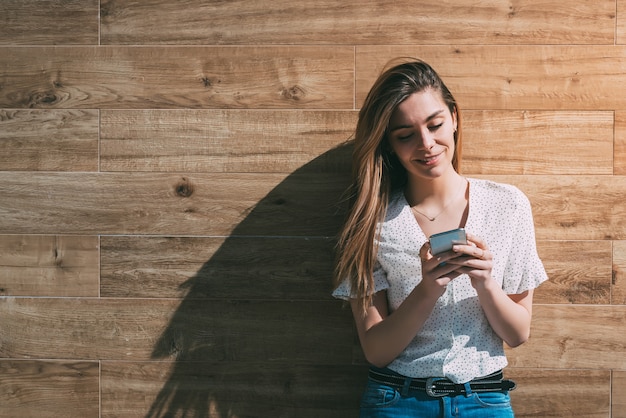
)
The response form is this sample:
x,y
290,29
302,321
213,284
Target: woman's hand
x,y
437,270
509,315
475,260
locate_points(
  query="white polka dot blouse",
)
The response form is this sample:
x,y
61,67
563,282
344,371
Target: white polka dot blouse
x,y
457,341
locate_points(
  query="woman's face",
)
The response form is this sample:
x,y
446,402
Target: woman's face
x,y
421,134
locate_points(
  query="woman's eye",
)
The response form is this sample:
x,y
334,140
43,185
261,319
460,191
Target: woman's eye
x,y
404,137
435,127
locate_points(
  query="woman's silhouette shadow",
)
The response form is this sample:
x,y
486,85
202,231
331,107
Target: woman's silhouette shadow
x,y
258,334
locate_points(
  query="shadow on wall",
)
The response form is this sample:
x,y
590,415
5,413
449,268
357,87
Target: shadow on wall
x,y
258,334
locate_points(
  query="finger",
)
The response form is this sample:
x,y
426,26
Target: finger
x,y
441,259
425,254
480,249
485,255
477,241
445,262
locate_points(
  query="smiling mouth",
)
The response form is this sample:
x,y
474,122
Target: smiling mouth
x,y
429,160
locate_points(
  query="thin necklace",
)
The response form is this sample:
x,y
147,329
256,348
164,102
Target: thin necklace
x,y
433,218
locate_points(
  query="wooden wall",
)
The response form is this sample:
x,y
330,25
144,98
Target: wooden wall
x,y
170,186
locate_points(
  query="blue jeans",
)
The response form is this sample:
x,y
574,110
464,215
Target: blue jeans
x,y
382,401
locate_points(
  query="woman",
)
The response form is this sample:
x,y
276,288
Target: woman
x,y
432,326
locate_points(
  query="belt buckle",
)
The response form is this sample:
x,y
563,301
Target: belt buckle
x,y
430,386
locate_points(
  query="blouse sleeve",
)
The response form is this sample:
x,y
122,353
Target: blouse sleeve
x,y
343,291
524,269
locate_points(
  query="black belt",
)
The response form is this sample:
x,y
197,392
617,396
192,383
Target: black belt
x,y
440,386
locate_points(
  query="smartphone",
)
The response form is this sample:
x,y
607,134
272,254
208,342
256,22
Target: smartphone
x,y
444,241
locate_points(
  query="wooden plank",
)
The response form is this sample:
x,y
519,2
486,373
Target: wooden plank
x,y
618,288
620,33
222,140
49,22
574,207
44,388
219,140
543,393
578,271
305,203
38,265
178,77
530,142
52,140
352,22
618,394
200,267
547,77
620,144
574,337
256,268
192,330
206,389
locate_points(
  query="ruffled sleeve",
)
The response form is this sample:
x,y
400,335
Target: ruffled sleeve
x,y
523,270
343,291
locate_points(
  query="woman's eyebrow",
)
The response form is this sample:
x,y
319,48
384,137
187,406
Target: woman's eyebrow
x,y
429,118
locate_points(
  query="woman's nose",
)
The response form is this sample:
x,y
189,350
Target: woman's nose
x,y
427,140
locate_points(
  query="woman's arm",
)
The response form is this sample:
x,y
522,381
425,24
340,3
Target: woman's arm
x,y
508,315
384,336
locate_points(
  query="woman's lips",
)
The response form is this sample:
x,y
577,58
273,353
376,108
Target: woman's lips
x,y
430,160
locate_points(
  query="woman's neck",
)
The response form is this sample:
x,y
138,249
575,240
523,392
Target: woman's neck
x,y
434,193
439,205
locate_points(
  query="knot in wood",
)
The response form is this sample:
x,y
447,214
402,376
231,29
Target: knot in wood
x,y
209,82
184,188
293,93
46,98
280,201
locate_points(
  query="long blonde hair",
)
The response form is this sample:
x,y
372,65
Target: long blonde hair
x,y
376,171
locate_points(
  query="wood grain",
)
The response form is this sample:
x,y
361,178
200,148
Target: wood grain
x,y
566,142
563,336
620,32
305,203
385,22
206,389
38,22
49,140
578,271
544,393
229,140
618,394
545,77
254,268
178,77
574,337
574,207
49,389
220,140
618,288
38,265
225,268
170,330
619,166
